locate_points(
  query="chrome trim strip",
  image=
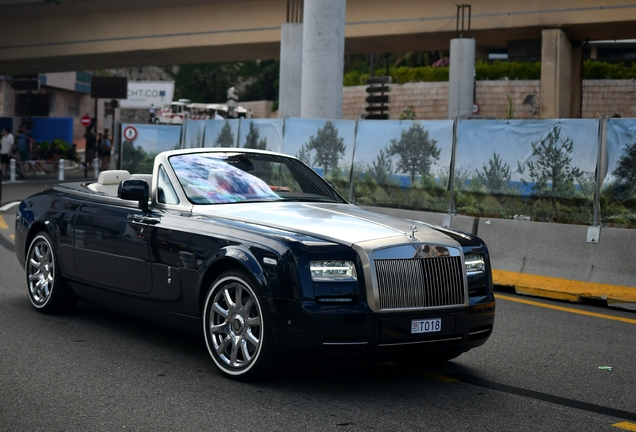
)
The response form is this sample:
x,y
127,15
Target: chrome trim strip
x,y
422,342
480,331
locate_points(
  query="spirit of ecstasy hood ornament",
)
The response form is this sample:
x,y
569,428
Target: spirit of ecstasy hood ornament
x,y
413,231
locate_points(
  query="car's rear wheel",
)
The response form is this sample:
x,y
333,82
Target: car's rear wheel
x,y
236,328
47,290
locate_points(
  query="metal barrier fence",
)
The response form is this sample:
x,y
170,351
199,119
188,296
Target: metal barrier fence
x,y
577,171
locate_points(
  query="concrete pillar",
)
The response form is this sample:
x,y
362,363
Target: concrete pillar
x,y
323,59
576,85
461,78
560,75
291,61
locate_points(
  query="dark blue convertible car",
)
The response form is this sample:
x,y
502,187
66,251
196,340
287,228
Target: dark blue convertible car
x,y
263,255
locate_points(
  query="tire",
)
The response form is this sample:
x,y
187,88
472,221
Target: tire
x,y
237,332
48,291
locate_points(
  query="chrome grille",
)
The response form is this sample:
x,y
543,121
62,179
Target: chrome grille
x,y
420,282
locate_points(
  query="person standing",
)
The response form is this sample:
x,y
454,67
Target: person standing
x,y
91,142
23,144
6,150
105,148
152,113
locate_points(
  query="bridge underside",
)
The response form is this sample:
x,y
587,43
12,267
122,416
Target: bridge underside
x,y
40,37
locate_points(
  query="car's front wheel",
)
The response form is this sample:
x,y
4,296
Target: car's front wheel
x,y
236,328
47,290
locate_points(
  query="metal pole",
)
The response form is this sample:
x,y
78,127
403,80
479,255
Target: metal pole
x,y
60,169
602,146
451,174
353,157
12,170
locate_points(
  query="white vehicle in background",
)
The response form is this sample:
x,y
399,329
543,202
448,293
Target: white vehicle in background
x,y
183,109
174,113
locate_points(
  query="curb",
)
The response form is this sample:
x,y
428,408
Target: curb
x,y
617,296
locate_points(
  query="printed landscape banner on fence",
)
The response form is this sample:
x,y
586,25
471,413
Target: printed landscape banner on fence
x,y
523,146
138,155
220,133
264,134
404,163
544,169
192,134
618,204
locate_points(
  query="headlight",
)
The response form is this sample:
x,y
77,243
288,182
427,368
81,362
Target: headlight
x,y
325,271
474,264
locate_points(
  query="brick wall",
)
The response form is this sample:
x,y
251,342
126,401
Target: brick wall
x,y
430,100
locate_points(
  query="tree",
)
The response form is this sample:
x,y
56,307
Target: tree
x,y
382,168
625,171
551,173
304,155
133,157
225,137
208,82
496,176
328,145
252,139
416,150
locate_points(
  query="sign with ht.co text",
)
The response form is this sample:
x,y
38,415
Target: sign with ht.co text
x,y
143,94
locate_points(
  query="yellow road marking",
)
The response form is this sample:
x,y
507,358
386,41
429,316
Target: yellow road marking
x,y
436,377
12,236
565,309
626,425
3,224
562,289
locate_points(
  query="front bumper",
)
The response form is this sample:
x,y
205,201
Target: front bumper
x,y
311,329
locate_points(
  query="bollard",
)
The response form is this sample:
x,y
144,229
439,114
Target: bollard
x,y
60,169
12,170
96,167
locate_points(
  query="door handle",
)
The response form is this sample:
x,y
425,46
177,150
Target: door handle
x,y
150,220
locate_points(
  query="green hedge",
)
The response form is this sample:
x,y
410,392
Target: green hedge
x,y
484,71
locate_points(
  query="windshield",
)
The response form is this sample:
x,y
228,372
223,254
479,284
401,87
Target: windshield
x,y
232,177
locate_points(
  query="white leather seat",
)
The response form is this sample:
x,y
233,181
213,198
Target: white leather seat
x,y
108,181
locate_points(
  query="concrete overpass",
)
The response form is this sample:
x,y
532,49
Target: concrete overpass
x,y
40,36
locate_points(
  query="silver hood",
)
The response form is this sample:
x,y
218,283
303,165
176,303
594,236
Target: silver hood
x,y
341,223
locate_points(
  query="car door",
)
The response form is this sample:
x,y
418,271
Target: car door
x,y
111,245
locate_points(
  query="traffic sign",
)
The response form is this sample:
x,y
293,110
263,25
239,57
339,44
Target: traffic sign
x,y
86,120
130,133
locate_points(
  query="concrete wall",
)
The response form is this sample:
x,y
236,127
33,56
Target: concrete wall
x,y
430,99
551,260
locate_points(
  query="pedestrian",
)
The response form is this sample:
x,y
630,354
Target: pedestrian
x,y
91,143
72,154
152,113
6,150
105,148
23,144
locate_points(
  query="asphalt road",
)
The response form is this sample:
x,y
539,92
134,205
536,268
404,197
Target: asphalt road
x,y
95,370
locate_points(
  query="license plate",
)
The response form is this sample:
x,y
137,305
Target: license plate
x,y
426,326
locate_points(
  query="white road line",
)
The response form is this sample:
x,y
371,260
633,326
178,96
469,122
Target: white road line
x,y
9,205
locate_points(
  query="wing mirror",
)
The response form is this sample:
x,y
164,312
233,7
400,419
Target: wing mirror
x,y
135,190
